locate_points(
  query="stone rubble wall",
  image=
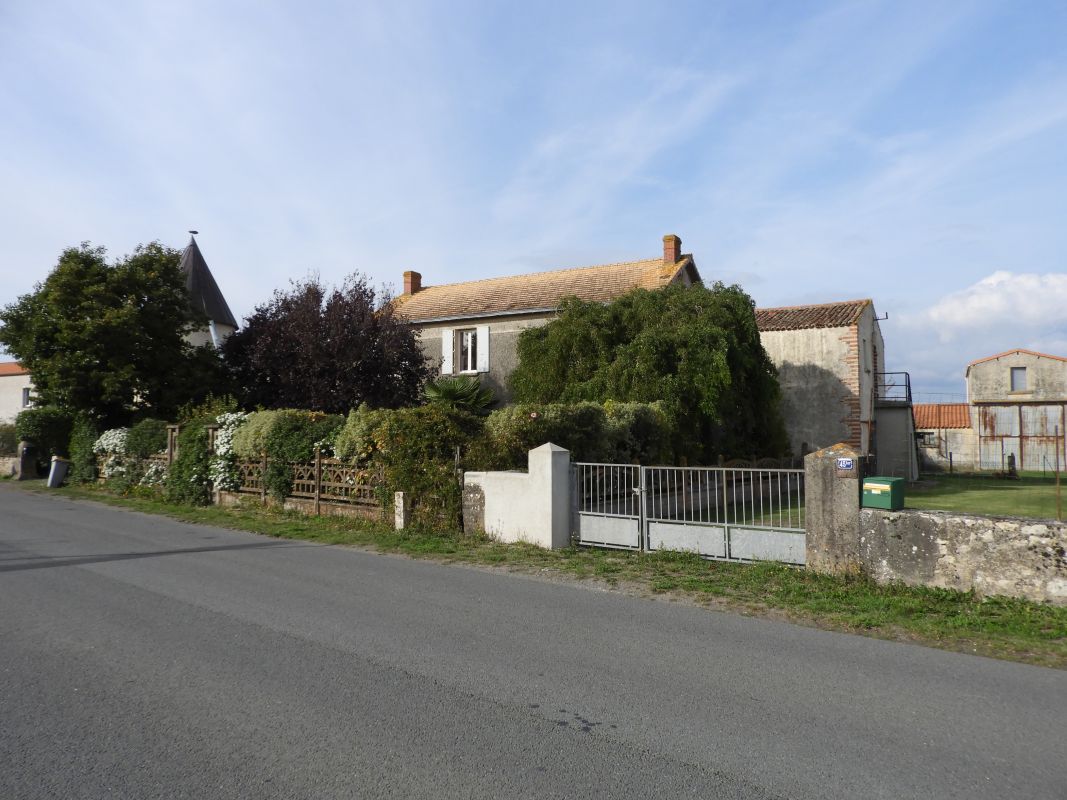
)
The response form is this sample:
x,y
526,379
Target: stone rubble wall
x,y
992,555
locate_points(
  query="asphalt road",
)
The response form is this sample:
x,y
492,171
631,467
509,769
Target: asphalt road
x,y
142,657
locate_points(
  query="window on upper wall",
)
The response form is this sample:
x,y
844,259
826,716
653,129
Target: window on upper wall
x,y
1018,379
26,399
465,350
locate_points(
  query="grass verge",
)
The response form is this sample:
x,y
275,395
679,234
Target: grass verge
x,y
998,627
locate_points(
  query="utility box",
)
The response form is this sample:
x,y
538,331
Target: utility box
x,y
886,493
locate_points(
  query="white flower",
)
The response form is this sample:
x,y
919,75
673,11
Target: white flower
x,y
112,442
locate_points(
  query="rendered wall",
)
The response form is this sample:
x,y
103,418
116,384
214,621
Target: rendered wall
x,y
503,346
820,389
990,381
991,555
11,387
533,506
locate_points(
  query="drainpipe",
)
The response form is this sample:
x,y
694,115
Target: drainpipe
x,y
215,340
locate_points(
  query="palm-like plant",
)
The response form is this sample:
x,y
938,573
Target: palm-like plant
x,y
463,392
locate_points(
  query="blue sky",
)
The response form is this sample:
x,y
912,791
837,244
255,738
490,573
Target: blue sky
x,y
914,153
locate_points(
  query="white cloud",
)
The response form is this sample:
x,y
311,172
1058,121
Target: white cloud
x,y
1026,305
1000,312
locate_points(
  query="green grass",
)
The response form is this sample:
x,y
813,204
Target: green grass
x,y
998,627
1029,496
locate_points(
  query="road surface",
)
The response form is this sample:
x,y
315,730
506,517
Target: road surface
x,y
142,657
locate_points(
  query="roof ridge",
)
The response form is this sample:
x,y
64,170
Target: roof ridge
x,y
861,301
1012,352
548,272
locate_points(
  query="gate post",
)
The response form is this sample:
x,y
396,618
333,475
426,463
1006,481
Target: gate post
x,y
832,502
642,520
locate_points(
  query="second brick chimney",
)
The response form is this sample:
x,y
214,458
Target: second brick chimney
x,y
672,249
412,282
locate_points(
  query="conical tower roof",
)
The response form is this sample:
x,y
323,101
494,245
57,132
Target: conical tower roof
x,y
204,294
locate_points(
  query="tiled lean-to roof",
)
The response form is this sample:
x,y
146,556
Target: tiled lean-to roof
x,y
540,291
9,368
825,315
930,416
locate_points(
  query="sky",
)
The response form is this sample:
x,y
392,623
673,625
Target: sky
x,y
912,153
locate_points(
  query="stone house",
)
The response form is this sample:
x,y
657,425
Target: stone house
x,y
1016,406
473,328
16,390
828,356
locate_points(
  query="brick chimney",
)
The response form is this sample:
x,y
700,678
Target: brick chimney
x,y
672,249
412,282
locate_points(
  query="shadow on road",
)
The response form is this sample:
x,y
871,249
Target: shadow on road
x,y
49,562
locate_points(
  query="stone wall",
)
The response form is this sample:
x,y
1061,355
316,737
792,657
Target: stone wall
x,y
9,465
991,555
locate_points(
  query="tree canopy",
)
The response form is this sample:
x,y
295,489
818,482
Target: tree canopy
x,y
108,339
694,349
327,350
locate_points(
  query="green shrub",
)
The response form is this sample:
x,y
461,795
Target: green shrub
x,y
146,438
83,435
48,429
639,432
285,435
415,449
355,441
9,442
188,478
250,440
612,433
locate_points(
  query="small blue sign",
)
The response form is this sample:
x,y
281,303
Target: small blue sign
x,y
844,463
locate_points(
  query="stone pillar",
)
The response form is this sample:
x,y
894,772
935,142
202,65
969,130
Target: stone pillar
x,y
832,480
401,511
26,469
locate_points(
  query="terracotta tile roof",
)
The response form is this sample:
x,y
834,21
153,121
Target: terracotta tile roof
x,y
826,315
12,368
537,291
930,416
1015,352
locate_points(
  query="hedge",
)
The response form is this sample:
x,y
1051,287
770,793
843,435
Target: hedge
x,y
285,436
48,429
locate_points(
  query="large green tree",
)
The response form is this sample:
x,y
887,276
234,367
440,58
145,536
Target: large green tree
x,y
107,339
695,349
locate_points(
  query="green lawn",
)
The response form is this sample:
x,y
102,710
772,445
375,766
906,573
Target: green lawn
x,y
1029,496
998,627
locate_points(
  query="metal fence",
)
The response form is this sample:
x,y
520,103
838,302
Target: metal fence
x,y
735,514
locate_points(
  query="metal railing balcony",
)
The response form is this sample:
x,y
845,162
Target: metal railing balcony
x,y
893,388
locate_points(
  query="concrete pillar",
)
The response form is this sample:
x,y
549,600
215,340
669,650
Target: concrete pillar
x,y
550,479
832,479
401,511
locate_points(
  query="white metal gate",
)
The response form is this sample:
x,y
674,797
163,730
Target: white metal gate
x,y
732,514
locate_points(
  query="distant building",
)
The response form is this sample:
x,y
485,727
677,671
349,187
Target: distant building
x,y
1017,406
16,390
206,299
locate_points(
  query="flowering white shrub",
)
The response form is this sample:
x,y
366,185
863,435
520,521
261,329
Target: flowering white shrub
x,y
223,470
154,475
110,450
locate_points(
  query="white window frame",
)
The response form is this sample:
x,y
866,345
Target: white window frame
x,y
452,350
27,397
